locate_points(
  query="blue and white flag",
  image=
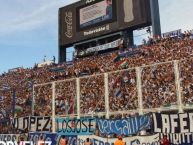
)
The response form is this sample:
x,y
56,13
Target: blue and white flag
x,y
83,126
118,93
129,126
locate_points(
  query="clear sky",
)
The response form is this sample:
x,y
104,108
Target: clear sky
x,y
29,28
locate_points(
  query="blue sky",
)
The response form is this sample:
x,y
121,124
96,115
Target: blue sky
x,y
28,28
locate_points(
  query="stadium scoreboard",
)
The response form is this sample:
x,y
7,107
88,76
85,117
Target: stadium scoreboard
x,y
88,19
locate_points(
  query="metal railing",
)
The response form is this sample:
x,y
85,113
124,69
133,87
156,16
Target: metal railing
x,y
152,88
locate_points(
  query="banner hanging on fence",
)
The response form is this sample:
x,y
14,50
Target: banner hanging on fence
x,y
9,137
142,140
53,137
179,138
67,126
173,123
106,46
32,124
127,126
174,139
12,137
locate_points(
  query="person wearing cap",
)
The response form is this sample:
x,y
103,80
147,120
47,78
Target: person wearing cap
x,y
119,141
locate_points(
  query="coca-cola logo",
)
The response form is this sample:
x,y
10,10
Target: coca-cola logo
x,y
68,21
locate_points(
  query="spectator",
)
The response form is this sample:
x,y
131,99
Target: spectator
x,y
119,140
165,140
158,81
88,142
63,141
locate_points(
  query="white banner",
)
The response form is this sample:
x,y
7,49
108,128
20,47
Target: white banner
x,y
106,46
12,137
113,44
179,138
33,124
172,123
8,137
137,140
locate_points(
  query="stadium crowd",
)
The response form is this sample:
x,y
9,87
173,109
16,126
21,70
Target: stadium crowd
x,y
158,81
92,98
123,90
66,97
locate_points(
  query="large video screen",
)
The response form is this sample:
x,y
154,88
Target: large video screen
x,y
96,13
88,19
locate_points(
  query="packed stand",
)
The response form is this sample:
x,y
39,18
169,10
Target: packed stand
x,y
186,71
158,86
157,81
123,91
43,100
65,100
92,94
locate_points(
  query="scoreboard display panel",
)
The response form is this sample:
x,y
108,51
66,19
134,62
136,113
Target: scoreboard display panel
x,y
88,19
94,14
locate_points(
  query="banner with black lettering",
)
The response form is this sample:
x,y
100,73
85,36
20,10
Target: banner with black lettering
x,y
13,137
136,140
9,137
179,138
32,124
128,126
172,123
106,46
53,137
83,126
